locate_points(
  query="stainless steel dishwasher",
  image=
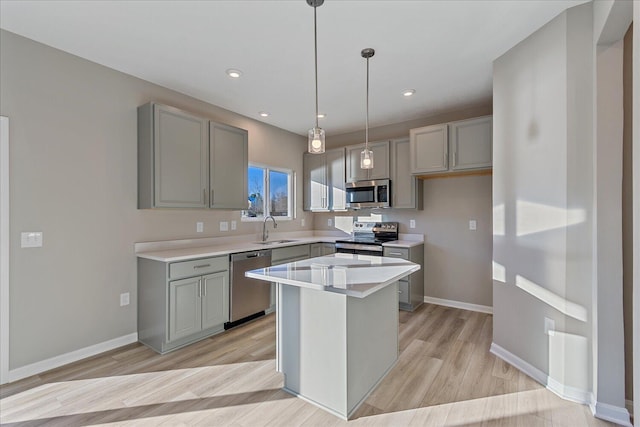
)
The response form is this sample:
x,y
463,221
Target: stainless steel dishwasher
x,y
249,297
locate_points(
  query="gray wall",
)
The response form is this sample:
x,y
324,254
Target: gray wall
x,y
557,206
457,260
73,177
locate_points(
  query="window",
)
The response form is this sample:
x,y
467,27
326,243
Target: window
x,y
270,193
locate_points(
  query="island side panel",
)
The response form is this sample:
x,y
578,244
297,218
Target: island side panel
x,y
372,342
313,347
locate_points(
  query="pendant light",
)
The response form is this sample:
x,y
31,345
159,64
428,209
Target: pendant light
x,y
366,157
316,134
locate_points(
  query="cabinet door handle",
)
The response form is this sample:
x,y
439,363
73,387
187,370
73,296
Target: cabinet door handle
x,y
395,253
202,266
204,288
446,154
211,201
455,158
199,288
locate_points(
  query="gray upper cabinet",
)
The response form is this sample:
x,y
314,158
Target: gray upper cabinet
x,y
429,149
406,188
471,143
324,181
456,147
229,159
380,162
173,160
185,161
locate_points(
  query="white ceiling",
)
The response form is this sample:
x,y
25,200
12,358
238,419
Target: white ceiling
x,y
442,49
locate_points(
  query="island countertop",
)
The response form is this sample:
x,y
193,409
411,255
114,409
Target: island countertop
x,y
352,275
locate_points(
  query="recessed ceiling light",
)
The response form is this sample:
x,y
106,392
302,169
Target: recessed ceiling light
x,y
408,92
233,73
264,114
321,115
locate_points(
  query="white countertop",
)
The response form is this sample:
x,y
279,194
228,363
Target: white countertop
x,y
352,275
183,250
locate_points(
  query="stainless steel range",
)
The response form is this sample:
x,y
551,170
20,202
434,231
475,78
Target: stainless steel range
x,y
367,238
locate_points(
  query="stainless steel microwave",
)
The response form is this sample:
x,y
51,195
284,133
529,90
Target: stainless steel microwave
x,y
368,194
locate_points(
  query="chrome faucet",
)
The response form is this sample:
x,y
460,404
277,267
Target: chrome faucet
x,y
265,233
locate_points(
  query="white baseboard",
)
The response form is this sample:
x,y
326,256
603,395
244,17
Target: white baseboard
x,y
612,413
600,410
64,359
458,304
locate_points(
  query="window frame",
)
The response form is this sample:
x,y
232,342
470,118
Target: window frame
x,y
291,176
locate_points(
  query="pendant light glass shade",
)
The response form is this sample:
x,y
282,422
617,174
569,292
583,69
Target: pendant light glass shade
x,y
366,156
366,159
316,134
316,140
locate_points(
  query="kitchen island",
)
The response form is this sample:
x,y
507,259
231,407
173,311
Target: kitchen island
x,y
336,326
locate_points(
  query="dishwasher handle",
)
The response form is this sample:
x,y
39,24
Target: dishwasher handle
x,y
248,255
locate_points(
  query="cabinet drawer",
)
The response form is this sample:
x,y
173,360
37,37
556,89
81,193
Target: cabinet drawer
x,y
403,290
280,255
396,252
198,267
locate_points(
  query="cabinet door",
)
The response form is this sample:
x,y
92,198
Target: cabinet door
x,y
180,157
380,160
184,308
429,149
335,164
215,299
380,169
229,162
471,142
315,182
315,250
328,248
354,172
406,189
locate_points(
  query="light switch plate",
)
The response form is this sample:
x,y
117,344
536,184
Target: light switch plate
x,y
31,239
234,225
330,222
302,222
224,225
124,299
199,227
412,223
473,224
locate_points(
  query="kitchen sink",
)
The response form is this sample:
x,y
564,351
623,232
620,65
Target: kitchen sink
x,y
273,242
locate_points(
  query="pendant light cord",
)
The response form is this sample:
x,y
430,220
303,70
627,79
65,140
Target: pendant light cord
x,y
315,37
366,126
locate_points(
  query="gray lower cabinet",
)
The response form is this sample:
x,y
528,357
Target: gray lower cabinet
x,y
181,302
283,256
321,249
411,288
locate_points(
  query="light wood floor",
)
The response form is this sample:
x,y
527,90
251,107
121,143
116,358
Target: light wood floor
x,y
445,376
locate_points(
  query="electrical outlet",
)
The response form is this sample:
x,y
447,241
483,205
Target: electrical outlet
x,y
199,227
224,225
31,239
412,223
302,222
473,224
549,326
234,225
330,222
124,299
